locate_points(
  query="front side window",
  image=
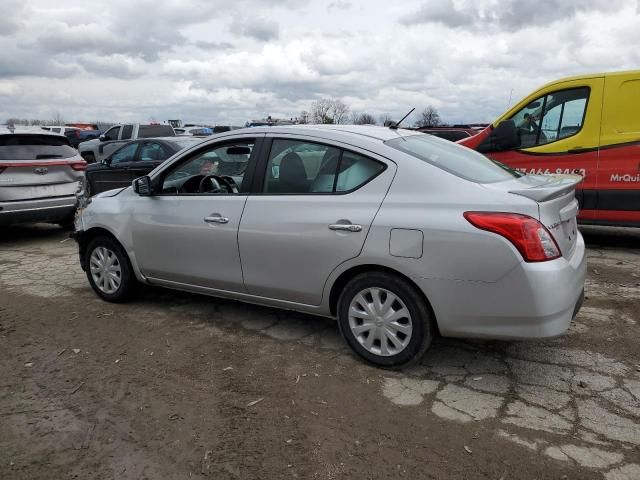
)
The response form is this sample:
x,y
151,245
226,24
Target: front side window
x,y
551,117
226,164
124,155
112,133
462,162
299,167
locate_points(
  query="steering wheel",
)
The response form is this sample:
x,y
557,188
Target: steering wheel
x,y
213,184
217,184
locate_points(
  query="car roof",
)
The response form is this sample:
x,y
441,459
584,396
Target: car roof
x,y
4,130
363,131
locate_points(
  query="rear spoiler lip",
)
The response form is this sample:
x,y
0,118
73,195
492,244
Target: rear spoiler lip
x,y
557,186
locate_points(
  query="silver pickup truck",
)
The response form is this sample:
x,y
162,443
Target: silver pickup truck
x,y
100,148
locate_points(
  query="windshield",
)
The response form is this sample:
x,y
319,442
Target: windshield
x,y
34,147
455,159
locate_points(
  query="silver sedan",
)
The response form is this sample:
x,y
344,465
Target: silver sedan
x,y
398,235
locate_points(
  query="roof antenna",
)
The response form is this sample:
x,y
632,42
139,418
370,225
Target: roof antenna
x,y
397,124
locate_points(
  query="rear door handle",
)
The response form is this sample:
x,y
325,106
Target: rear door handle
x,y
345,227
216,218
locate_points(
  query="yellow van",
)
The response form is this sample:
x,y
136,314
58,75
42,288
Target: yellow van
x,y
589,124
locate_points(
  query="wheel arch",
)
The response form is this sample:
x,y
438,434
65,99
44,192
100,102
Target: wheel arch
x,y
349,274
84,238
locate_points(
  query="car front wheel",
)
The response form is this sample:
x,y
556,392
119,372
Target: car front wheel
x,y
385,320
109,271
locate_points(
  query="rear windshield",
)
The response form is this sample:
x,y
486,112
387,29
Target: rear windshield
x,y
35,147
148,131
453,158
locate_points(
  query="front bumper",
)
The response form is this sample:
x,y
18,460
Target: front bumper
x,y
57,209
534,300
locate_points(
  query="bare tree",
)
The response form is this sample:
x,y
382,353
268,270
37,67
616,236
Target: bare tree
x,y
304,117
339,111
321,111
57,119
329,110
428,118
363,119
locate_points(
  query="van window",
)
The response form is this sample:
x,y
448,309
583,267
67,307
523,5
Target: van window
x,y
551,117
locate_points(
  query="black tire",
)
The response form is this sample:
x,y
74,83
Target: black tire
x,y
128,282
89,157
423,323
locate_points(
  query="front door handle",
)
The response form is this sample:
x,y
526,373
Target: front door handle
x,y
216,218
345,227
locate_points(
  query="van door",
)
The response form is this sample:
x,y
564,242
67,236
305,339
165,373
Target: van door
x,y
619,160
558,131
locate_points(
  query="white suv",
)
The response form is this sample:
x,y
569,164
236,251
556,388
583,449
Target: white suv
x,y
40,173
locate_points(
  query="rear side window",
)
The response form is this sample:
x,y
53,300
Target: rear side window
x,y
126,132
34,147
299,167
459,161
148,131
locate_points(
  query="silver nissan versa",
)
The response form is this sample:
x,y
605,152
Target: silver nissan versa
x,y
40,173
397,234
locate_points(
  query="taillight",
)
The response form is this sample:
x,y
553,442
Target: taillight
x,y
78,166
528,235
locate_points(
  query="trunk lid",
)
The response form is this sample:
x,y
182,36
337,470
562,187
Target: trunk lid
x,y
36,166
557,205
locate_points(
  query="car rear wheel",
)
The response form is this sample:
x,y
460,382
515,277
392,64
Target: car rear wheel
x,y
109,270
89,157
385,320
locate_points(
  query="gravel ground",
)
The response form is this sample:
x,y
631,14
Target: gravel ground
x,y
179,386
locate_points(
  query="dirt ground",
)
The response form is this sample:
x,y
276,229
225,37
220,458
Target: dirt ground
x,y
178,386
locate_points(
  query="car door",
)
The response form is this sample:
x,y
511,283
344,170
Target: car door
x,y
113,171
312,209
122,136
186,234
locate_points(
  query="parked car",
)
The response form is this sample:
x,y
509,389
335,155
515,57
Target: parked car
x,y
452,133
587,124
395,233
98,149
132,160
40,173
195,130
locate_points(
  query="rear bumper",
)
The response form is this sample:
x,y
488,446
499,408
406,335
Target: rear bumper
x,y
534,300
41,210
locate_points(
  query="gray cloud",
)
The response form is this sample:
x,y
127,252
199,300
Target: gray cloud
x,y
512,15
258,28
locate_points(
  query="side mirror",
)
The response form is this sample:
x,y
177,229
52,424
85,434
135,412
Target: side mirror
x,y
106,161
142,186
503,137
102,138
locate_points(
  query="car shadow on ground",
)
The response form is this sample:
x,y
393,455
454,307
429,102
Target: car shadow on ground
x,y
26,232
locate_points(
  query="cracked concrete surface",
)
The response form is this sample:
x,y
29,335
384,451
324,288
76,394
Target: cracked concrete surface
x,y
568,399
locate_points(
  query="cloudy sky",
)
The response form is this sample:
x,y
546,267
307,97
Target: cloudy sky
x,y
229,61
